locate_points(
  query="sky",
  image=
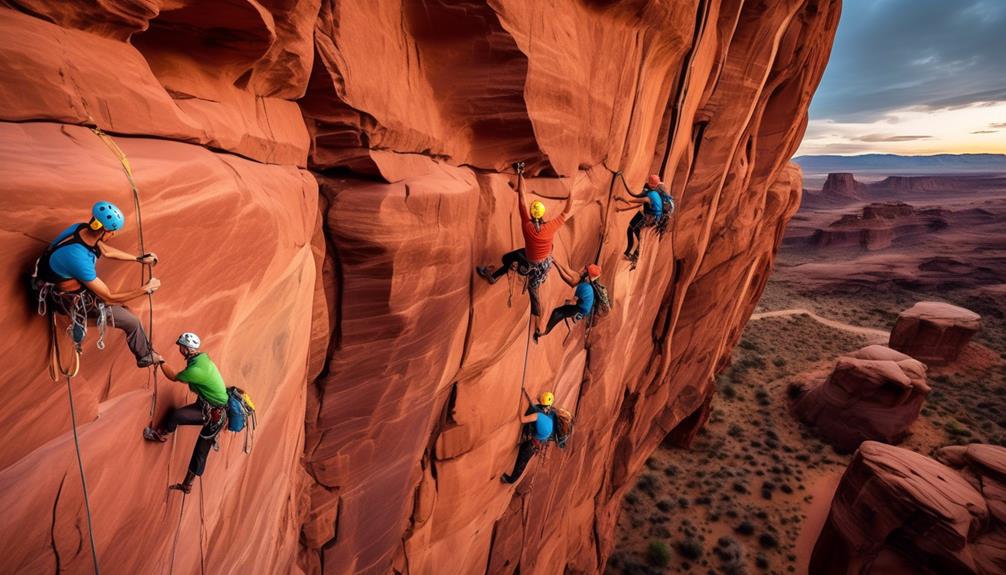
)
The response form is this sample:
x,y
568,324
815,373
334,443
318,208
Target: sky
x,y
913,77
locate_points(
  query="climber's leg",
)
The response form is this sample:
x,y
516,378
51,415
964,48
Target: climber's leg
x,y
524,455
197,464
509,260
191,414
136,338
186,485
560,313
633,233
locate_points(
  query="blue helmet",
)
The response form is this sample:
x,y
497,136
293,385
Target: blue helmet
x,y
108,215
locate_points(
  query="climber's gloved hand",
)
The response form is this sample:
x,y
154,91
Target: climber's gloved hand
x,y
519,168
148,258
153,285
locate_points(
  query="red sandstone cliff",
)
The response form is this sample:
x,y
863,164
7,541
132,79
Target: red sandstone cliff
x,y
346,300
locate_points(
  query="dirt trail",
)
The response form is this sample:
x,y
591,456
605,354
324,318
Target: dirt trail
x,y
875,335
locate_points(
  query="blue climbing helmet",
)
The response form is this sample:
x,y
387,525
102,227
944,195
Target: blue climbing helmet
x,y
106,215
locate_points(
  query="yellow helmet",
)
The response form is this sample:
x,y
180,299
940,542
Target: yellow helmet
x,y
547,398
537,210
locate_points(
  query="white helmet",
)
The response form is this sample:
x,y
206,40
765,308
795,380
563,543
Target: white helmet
x,y
189,340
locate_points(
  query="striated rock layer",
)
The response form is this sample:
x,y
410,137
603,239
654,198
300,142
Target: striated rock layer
x,y
875,393
900,512
387,376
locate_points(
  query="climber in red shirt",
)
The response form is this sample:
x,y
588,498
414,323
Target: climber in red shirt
x,y
534,260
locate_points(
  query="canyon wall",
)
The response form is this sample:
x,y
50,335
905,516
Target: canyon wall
x,y
319,179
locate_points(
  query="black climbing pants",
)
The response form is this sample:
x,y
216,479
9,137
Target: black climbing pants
x,y
634,230
524,455
120,316
560,313
518,258
196,414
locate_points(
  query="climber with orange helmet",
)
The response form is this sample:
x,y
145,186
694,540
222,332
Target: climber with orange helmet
x,y
657,205
203,379
65,279
582,303
538,428
535,259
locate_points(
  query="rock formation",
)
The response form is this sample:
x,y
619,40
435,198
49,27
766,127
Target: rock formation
x,y
842,187
899,512
875,393
934,332
319,178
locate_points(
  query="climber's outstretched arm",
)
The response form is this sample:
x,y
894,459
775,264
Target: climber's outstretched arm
x,y
566,274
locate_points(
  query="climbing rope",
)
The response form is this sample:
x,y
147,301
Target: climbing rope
x,y
174,546
202,527
83,478
146,271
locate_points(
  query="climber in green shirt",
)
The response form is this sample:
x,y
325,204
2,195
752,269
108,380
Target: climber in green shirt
x,y
208,410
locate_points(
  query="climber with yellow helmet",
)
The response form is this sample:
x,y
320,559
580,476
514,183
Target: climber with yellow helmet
x,y
539,425
65,281
535,259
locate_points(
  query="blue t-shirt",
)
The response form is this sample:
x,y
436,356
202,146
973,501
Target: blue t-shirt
x,y
584,297
543,427
74,260
656,207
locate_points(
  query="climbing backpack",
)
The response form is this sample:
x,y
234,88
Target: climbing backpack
x,y
665,218
602,303
241,415
563,420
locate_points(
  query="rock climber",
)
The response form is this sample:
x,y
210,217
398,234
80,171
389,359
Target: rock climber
x,y
535,259
65,278
209,409
652,212
582,305
538,425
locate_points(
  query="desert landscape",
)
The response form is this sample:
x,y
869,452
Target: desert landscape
x,y
754,491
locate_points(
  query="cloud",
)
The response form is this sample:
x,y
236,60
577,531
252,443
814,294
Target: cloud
x,y
997,125
889,138
932,54
985,132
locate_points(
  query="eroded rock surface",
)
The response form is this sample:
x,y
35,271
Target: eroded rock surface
x,y
900,512
345,299
875,393
934,332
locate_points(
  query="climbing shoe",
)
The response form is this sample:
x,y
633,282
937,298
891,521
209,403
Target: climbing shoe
x,y
153,358
487,274
151,434
183,487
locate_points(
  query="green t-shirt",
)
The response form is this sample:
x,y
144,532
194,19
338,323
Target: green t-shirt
x,y
204,380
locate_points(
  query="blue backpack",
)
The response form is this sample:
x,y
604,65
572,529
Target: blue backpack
x,y
241,415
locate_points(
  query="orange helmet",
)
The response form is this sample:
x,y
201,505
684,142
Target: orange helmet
x,y
593,271
653,181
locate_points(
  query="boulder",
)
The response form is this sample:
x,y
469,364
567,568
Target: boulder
x,y
934,332
875,393
899,512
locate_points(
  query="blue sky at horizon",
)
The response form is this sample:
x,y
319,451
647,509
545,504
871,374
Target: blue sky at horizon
x,y
913,77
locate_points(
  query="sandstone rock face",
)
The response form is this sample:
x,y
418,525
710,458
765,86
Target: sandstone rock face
x,y
899,512
934,332
875,393
388,377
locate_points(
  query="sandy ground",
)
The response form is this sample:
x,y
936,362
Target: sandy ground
x,y
753,492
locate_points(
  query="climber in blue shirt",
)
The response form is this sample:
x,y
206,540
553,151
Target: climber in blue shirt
x,y
653,201
539,424
65,279
583,302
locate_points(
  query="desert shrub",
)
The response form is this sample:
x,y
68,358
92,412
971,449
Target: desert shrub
x,y
690,549
768,541
745,528
779,361
647,483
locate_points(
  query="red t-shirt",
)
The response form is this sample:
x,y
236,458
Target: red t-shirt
x,y
538,242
